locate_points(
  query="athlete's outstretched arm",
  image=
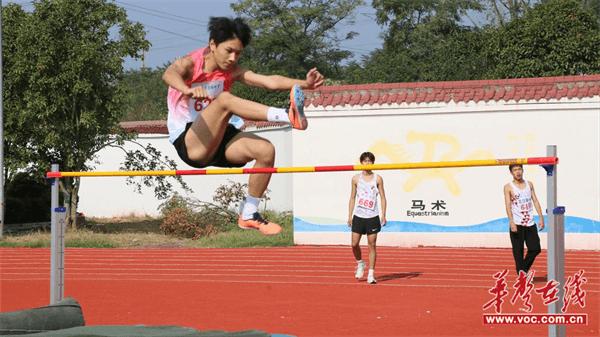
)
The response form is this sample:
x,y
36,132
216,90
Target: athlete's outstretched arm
x,y
313,80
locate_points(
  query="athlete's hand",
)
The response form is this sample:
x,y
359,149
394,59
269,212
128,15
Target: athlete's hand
x,y
513,227
349,222
198,92
314,79
542,224
383,221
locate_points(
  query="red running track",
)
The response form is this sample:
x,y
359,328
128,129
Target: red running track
x,y
302,291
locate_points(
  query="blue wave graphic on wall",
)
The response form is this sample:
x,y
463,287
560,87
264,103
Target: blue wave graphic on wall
x,y
573,224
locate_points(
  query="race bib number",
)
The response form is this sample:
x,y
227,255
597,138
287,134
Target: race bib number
x,y
200,104
526,204
212,88
366,203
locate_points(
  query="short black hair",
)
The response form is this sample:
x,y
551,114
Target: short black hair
x,y
366,155
223,28
510,167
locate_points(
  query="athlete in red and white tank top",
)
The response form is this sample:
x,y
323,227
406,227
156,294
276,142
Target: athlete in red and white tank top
x,y
201,107
185,109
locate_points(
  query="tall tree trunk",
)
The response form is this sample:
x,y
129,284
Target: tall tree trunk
x,y
72,187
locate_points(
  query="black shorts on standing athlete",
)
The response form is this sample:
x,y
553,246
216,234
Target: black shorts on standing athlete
x,y
366,225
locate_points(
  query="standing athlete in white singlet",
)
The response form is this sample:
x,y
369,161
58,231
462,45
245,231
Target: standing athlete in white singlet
x,y
519,200
363,214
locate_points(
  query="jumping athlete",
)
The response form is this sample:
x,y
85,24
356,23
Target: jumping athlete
x,y
201,107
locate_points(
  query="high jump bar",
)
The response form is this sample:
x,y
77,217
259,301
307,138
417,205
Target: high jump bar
x,y
306,169
556,234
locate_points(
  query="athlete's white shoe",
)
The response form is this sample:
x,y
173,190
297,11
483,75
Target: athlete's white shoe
x,y
360,270
371,279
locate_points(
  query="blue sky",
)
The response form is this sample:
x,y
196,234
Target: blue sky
x,y
175,27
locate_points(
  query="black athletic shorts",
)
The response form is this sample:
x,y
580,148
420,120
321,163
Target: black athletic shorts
x,y
366,225
219,157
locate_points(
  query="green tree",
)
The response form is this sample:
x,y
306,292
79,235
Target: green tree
x,y
501,12
424,40
63,101
555,37
592,5
14,87
292,36
145,94
427,40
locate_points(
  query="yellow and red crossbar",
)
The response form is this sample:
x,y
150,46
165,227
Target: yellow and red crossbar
x,y
333,168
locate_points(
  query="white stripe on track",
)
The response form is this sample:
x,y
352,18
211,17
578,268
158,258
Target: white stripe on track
x,y
362,284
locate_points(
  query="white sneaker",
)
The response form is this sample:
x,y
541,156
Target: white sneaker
x,y
371,279
360,270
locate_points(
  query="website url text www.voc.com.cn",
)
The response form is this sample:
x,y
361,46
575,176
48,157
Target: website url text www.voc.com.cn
x,y
563,319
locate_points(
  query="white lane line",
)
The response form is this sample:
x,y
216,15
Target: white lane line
x,y
361,284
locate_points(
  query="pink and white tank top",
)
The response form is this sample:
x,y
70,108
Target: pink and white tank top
x,y
522,205
365,205
184,109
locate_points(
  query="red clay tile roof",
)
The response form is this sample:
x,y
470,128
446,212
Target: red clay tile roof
x,y
427,92
262,125
458,91
160,126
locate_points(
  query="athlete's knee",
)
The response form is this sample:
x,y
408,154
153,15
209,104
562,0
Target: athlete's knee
x,y
264,152
198,156
534,252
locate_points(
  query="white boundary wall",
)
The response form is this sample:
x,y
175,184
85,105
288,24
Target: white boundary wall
x,y
472,196
111,197
414,133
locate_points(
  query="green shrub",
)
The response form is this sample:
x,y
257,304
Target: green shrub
x,y
183,222
192,218
27,199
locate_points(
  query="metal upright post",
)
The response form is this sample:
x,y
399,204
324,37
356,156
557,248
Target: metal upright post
x,y
57,245
556,237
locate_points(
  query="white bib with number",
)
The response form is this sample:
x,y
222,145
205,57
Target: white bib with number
x,y
522,205
213,88
365,205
